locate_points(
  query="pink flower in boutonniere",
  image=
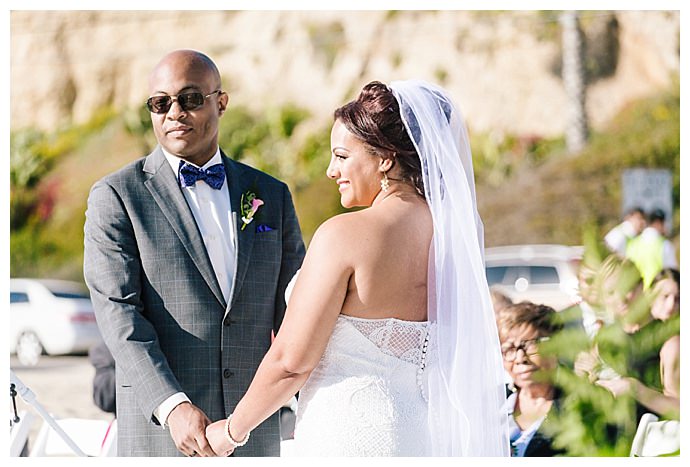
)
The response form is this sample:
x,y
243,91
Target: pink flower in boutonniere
x,y
249,204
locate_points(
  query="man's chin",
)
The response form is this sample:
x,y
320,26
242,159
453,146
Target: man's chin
x,y
178,148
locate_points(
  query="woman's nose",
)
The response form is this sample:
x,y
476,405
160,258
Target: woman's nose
x,y
520,355
331,171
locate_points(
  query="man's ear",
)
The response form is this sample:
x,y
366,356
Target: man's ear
x,y
223,103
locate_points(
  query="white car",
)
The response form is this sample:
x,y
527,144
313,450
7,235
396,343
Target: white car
x,y
543,274
50,316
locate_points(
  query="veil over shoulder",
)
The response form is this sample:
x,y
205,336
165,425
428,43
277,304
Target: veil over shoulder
x,y
466,386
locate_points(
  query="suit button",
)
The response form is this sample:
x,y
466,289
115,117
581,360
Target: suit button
x,y
227,321
227,373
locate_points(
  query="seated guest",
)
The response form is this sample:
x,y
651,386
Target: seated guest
x,y
521,328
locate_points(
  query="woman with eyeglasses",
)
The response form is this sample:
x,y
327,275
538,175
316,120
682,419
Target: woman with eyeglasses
x,y
522,327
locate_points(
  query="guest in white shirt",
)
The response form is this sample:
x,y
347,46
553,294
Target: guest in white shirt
x,y
617,239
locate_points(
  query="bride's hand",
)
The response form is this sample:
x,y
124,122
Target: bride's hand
x,y
215,434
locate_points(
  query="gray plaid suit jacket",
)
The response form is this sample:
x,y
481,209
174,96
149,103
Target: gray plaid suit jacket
x,y
159,305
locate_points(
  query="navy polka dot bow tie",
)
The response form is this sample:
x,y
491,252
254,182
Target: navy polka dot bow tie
x,y
214,176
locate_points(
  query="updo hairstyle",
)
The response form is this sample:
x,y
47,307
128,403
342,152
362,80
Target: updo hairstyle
x,y
374,118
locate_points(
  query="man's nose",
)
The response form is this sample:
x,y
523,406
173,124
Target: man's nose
x,y
175,110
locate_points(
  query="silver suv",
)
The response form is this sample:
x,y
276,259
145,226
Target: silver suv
x,y
544,274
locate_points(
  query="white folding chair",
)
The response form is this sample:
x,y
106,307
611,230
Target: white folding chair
x,y
109,444
655,438
19,433
87,434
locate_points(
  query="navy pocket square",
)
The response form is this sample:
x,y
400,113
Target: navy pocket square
x,y
263,228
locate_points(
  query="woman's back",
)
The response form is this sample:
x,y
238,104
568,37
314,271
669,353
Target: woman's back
x,y
367,395
387,246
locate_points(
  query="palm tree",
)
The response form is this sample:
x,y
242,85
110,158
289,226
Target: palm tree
x,y
574,81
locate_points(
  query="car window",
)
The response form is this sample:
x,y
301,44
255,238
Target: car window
x,y
494,275
543,275
513,273
18,297
70,294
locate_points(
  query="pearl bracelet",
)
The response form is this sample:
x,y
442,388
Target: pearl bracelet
x,y
235,444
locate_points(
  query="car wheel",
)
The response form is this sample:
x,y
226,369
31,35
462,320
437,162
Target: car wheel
x,y
29,348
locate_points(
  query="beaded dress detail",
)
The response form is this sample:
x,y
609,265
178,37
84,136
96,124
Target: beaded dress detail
x,y
367,396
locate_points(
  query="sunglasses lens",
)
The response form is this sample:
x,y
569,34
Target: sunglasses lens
x,y
191,100
188,101
159,104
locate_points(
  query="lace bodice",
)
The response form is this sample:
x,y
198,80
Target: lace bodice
x,y
402,339
367,396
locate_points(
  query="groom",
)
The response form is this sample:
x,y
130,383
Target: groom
x,y
187,270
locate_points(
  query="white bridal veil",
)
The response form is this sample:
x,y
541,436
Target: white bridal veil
x,y
466,389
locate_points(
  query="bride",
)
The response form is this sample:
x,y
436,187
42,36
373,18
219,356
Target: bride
x,y
389,334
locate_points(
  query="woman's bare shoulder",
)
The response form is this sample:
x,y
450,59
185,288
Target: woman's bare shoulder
x,y
337,230
671,347
344,224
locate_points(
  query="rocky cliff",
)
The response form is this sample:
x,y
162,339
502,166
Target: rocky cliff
x,y
502,67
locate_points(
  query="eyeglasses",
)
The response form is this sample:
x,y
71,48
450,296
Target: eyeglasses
x,y
529,347
187,100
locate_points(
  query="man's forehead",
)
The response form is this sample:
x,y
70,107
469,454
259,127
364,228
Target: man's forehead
x,y
182,77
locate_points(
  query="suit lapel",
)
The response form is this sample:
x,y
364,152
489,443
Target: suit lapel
x,y
244,238
166,192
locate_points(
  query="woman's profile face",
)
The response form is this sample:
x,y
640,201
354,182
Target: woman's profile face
x,y
354,169
667,302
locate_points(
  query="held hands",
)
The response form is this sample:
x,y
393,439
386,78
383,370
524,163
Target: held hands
x,y
618,386
194,434
215,434
588,364
187,425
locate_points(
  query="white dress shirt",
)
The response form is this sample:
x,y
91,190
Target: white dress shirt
x,y
213,215
617,238
519,438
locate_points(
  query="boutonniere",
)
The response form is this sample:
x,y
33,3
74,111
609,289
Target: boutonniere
x,y
249,204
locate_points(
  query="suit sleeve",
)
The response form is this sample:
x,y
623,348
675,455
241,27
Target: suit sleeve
x,y
113,273
292,255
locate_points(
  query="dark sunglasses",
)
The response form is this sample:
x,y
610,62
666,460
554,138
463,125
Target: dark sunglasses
x,y
187,100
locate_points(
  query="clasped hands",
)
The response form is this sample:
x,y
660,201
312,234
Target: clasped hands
x,y
195,435
589,364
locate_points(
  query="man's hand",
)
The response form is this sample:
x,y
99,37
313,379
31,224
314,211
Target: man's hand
x,y
215,433
187,424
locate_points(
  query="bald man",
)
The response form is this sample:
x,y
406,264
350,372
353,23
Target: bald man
x,y
186,285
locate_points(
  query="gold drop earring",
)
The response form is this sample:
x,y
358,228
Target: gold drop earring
x,y
384,183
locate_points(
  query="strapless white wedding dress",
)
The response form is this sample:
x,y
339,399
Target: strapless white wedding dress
x,y
367,396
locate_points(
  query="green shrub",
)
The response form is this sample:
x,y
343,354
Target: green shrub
x,y
591,421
